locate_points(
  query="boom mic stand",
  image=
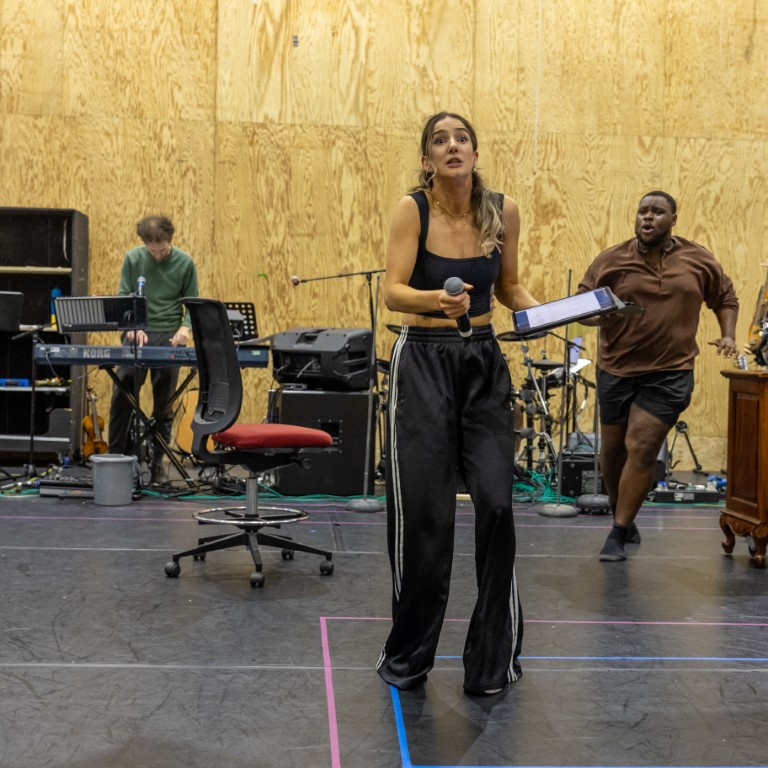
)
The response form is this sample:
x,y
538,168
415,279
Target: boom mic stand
x,y
363,504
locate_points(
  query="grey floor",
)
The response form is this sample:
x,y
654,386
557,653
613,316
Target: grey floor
x,y
105,661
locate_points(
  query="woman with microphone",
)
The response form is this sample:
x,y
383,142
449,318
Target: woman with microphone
x,y
452,247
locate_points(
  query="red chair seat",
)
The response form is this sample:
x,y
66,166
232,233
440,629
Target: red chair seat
x,y
251,436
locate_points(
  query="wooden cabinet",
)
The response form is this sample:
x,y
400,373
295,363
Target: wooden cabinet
x,y
746,499
43,253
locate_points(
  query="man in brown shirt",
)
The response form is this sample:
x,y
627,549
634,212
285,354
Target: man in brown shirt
x,y
645,359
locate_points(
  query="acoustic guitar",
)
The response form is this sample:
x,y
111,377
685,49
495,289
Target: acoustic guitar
x,y
93,425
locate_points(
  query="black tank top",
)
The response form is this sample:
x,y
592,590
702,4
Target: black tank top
x,y
431,271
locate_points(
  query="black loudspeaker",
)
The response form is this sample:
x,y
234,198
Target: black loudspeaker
x,y
323,358
579,472
579,475
344,416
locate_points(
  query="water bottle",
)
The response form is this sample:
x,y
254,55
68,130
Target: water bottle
x,y
55,293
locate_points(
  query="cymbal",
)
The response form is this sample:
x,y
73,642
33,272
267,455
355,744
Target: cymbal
x,y
382,365
545,365
514,336
394,328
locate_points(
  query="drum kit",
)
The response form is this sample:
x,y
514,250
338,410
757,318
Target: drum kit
x,y
535,421
544,378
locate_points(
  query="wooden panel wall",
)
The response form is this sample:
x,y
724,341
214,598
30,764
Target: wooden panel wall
x,y
278,135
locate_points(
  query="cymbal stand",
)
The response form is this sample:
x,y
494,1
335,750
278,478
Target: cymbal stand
x,y
535,404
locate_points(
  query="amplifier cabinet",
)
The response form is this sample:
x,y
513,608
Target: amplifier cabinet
x,y
344,415
579,472
579,475
323,358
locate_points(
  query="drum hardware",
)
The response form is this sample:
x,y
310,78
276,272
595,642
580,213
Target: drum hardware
x,y
534,396
546,365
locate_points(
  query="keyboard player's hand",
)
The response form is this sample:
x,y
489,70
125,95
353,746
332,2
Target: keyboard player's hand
x,y
141,338
181,337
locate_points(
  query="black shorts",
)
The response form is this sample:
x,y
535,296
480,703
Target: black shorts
x,y
664,394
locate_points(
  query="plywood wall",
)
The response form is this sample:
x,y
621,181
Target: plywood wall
x,y
278,135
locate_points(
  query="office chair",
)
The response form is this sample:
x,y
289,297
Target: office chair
x,y
258,447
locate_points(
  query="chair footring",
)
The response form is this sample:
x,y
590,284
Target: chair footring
x,y
239,516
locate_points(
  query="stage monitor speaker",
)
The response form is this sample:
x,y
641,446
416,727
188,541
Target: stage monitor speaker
x,y
323,358
579,475
344,416
579,472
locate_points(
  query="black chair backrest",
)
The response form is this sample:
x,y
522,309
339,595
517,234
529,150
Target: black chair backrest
x,y
221,384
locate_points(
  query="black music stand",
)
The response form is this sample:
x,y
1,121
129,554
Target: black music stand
x,y
100,313
244,327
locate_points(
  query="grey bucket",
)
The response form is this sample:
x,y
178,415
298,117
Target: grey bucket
x,y
113,479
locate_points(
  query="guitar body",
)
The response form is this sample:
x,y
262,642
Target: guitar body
x,y
93,426
756,341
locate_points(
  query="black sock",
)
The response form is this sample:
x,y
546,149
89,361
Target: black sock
x,y
619,533
613,549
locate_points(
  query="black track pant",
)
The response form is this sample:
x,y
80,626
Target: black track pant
x,y
450,412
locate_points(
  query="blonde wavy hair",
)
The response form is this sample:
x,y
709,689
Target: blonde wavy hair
x,y
486,211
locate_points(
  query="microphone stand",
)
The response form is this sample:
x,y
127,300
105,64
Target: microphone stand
x,y
367,273
135,421
558,509
364,504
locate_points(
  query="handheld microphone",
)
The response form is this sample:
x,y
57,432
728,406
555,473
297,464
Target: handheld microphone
x,y
454,286
295,280
140,283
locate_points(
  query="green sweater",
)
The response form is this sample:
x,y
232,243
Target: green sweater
x,y
167,282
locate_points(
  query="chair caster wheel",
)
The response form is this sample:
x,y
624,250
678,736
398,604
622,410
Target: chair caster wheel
x,y
200,557
326,568
287,554
172,569
257,579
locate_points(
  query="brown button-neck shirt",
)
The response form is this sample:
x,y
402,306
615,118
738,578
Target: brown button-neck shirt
x,y
663,337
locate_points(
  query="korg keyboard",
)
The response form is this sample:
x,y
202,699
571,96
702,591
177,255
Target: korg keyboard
x,y
147,357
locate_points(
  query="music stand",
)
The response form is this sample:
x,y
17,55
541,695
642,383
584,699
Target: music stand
x,y
100,313
248,314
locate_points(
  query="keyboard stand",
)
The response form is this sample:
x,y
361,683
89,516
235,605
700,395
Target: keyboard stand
x,y
150,425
